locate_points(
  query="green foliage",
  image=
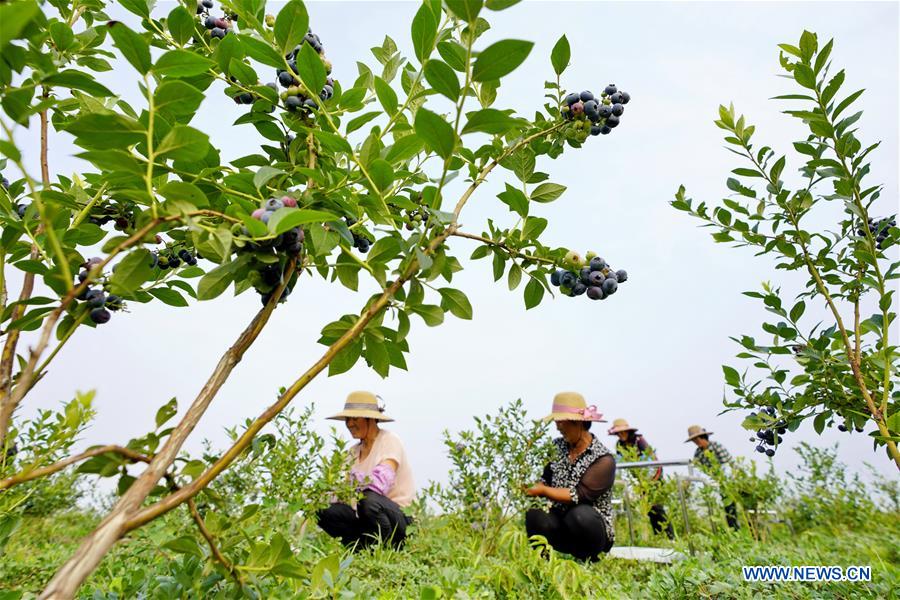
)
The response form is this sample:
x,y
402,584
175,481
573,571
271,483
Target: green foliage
x,y
842,371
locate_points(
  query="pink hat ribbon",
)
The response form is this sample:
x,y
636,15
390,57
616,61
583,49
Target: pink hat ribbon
x,y
589,413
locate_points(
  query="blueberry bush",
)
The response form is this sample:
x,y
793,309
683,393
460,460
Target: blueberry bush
x,y
350,177
841,371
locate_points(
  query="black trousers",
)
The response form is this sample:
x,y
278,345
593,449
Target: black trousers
x,y
579,530
731,515
660,521
376,517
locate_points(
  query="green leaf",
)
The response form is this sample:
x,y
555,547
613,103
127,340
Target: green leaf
x,y
261,51
491,120
241,71
534,227
184,143
217,281
732,377
846,102
138,7
500,4
62,36
437,134
294,217
131,272
106,130
311,69
404,149
442,78
805,76
14,17
185,544
467,10
500,58
186,192
180,24
432,315
454,54
132,45
534,292
797,311
177,98
166,412
456,302
560,55
547,192
264,174
182,63
515,276
515,199
344,360
382,174
423,32
168,296
386,95
76,80
291,25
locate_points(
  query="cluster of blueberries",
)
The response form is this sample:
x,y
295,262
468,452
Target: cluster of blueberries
x,y
293,96
768,437
170,259
360,242
879,229
416,217
601,114
119,213
596,279
218,27
843,427
268,275
99,302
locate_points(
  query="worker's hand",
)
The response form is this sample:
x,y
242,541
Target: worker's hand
x,y
535,490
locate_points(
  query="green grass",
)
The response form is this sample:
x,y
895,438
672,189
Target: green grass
x,y
446,558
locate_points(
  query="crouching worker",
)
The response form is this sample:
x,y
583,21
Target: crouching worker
x,y
383,475
578,483
713,458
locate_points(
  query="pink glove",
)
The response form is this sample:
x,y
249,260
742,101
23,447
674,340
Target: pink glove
x,y
380,480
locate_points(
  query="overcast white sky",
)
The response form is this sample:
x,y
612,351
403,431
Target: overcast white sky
x,y
651,354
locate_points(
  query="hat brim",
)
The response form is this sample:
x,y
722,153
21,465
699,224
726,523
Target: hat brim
x,y
698,434
569,417
365,414
615,430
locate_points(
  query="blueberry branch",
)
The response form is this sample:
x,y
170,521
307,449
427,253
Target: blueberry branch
x,y
503,246
58,466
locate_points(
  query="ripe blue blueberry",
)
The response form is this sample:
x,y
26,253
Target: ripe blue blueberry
x,y
612,121
609,286
100,316
218,32
273,204
770,453
621,276
596,129
618,109
555,278
585,275
597,264
293,103
210,22
586,95
572,99
625,97
604,111
568,279
760,448
615,98
595,293
578,289
596,278
610,89
285,79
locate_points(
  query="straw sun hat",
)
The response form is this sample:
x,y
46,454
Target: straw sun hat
x,y
620,425
696,431
571,406
362,404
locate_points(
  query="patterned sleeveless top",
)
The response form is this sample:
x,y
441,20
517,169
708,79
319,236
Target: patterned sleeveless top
x,y
566,474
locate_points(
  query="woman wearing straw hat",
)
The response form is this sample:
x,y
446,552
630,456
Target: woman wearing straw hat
x,y
712,457
382,473
631,442
578,483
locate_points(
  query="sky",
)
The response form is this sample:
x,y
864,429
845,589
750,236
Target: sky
x,y
651,354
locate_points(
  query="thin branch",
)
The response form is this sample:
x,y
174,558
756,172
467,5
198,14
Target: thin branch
x,y
502,245
62,464
208,536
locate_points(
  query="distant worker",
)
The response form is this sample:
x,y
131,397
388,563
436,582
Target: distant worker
x,y
712,458
633,444
383,475
578,482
